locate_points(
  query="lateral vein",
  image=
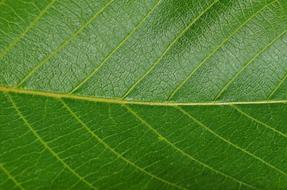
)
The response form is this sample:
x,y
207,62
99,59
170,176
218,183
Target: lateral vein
x,y
100,140
132,87
63,44
257,121
115,49
145,123
35,133
25,32
230,143
11,177
180,85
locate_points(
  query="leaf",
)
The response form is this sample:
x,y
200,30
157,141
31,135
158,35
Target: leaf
x,y
153,94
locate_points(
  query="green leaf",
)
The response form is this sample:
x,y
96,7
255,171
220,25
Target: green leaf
x,y
143,94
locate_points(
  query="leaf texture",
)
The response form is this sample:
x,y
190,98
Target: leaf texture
x,y
143,94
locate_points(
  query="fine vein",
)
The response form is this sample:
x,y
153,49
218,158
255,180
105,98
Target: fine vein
x,y
145,123
230,143
214,51
63,44
117,48
258,121
29,28
259,53
35,133
84,125
11,177
132,87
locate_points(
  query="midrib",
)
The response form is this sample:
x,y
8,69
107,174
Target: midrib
x,y
58,95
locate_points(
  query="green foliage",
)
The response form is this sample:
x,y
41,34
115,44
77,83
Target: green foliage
x,y
143,94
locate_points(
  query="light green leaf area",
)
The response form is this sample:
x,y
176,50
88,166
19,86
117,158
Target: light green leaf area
x,y
143,94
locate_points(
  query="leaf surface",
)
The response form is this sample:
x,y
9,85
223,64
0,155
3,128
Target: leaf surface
x,y
143,94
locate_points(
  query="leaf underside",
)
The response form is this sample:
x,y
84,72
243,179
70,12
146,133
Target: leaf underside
x,y
143,94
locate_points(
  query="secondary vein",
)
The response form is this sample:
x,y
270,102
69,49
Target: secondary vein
x,y
11,177
25,32
35,133
257,121
180,85
145,123
230,143
63,44
115,49
84,125
178,36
